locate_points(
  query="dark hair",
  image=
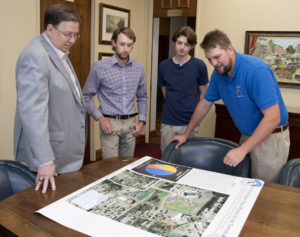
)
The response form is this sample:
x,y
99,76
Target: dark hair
x,y
215,38
57,13
188,32
126,31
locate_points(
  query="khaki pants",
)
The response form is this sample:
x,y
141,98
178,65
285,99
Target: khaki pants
x,y
269,156
121,142
169,131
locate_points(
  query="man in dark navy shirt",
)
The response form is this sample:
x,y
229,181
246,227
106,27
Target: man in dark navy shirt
x,y
183,80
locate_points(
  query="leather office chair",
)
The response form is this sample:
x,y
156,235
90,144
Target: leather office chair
x,y
290,173
14,177
208,154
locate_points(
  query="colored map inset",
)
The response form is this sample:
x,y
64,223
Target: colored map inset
x,y
161,169
157,168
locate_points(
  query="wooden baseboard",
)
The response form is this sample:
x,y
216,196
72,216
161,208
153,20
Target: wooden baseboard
x,y
98,155
154,133
140,139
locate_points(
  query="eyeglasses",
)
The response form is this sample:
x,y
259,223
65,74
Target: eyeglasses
x,y
68,35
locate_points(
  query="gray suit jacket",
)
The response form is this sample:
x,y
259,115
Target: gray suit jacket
x,y
50,121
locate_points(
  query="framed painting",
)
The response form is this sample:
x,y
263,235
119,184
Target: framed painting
x,y
111,18
280,50
104,55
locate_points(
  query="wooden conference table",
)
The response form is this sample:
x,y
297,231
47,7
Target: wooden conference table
x,y
275,213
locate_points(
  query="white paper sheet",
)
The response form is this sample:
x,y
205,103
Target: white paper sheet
x,y
142,199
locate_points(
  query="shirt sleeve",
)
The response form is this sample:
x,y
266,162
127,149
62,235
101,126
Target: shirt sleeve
x,y
33,96
89,90
203,75
142,97
160,77
263,88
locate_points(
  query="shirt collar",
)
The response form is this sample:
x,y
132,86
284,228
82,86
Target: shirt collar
x,y
235,69
114,61
236,64
63,56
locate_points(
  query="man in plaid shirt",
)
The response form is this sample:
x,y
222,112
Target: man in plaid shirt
x,y
117,81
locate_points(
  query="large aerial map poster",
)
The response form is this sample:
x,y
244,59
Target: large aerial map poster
x,y
158,206
154,198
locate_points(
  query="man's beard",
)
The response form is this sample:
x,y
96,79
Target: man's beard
x,y
226,69
121,57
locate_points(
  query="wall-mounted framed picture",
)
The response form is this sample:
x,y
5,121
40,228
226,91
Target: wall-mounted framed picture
x,y
280,50
104,55
111,17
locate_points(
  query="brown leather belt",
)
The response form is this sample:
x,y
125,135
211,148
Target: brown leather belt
x,y
120,116
281,128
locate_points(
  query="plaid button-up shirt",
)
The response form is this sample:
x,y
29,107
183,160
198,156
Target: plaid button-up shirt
x,y
116,88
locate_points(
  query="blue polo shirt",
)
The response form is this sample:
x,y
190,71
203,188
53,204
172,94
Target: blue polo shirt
x,y
251,89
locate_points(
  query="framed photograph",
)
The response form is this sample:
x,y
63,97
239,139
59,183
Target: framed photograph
x,y
280,50
111,18
104,55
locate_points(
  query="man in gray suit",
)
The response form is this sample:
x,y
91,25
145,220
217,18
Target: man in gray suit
x,y
50,122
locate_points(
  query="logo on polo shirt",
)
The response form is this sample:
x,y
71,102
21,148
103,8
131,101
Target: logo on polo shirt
x,y
238,91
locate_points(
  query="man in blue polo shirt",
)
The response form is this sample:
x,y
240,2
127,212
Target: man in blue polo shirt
x,y
251,94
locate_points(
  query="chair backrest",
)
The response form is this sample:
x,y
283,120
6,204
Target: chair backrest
x,y
14,177
208,154
290,173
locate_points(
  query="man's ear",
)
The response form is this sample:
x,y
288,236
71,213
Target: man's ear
x,y
230,47
49,30
49,27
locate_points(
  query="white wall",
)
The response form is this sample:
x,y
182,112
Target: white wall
x,y
154,63
19,23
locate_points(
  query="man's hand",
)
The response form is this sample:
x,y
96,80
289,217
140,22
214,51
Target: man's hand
x,y
180,138
138,127
45,174
105,125
234,157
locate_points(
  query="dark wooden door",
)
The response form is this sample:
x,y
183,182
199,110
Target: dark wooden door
x,y
80,52
174,8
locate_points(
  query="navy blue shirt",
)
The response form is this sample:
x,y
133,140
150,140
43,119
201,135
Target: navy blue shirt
x,y
182,89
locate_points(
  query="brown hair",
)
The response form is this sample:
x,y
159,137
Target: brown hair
x,y
57,13
188,32
126,31
215,38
